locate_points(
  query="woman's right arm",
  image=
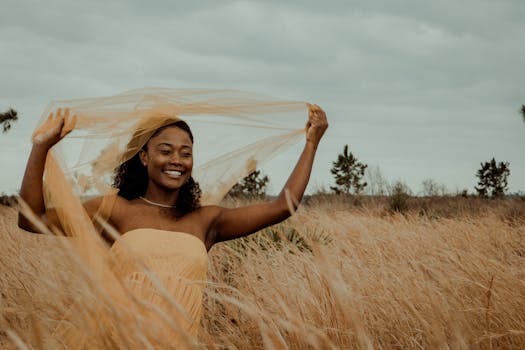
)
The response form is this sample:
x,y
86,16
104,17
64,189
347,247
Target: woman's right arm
x,y
56,126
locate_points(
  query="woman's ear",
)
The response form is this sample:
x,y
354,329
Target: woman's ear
x,y
143,155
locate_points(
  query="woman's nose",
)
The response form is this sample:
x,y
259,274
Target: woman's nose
x,y
175,159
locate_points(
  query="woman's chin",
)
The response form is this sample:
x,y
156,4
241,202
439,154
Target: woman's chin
x,y
173,183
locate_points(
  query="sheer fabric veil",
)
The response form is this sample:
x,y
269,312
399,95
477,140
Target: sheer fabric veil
x,y
234,132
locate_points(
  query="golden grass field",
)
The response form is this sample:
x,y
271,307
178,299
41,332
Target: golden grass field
x,y
447,274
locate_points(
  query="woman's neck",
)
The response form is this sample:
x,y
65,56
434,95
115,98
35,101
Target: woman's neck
x,y
161,196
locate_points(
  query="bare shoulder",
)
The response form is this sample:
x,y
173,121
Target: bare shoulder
x,y
106,206
208,213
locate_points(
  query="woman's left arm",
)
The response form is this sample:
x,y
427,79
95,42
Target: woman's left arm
x,y
239,222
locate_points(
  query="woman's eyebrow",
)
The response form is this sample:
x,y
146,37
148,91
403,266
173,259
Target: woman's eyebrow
x,y
165,144
171,145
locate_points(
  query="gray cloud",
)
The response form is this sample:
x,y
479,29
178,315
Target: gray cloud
x,y
423,89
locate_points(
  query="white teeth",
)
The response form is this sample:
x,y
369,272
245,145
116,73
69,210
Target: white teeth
x,y
173,173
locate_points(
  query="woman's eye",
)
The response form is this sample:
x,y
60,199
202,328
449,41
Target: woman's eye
x,y
186,154
165,152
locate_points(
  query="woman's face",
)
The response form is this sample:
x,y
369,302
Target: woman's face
x,y
169,158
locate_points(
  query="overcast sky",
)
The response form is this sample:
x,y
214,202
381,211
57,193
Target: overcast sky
x,y
421,89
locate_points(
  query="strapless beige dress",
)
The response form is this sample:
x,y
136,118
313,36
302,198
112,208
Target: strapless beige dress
x,y
165,272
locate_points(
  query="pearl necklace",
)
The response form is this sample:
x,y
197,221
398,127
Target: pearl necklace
x,y
157,204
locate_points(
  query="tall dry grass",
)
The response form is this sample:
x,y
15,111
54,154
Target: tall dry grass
x,y
331,277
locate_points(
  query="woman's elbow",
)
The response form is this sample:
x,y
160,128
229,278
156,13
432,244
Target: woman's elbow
x,y
25,224
287,207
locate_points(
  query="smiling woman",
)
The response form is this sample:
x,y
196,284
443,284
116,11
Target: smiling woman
x,y
162,232
170,152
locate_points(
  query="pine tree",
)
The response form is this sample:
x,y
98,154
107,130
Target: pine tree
x,y
348,173
253,185
7,118
492,178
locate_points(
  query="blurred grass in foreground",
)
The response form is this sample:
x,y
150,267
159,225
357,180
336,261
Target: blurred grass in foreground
x,y
341,273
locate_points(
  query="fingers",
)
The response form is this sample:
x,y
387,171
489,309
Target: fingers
x,y
67,122
316,114
69,125
308,124
315,109
317,123
57,125
62,121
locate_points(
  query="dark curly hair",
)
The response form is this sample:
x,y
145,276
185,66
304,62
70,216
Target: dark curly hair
x,y
131,178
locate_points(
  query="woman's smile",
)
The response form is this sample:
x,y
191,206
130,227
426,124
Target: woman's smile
x,y
173,173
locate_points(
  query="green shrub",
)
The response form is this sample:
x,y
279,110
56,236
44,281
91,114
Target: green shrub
x,y
400,193
8,200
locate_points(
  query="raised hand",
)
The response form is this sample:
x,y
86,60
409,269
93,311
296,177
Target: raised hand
x,y
316,125
56,126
